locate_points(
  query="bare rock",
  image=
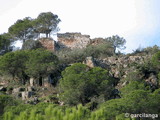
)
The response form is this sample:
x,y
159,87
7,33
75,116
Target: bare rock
x,y
26,95
29,88
90,62
16,90
31,81
2,88
152,80
112,60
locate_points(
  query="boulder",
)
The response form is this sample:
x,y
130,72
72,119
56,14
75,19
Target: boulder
x,y
152,80
112,60
30,88
2,88
26,95
31,81
16,90
89,62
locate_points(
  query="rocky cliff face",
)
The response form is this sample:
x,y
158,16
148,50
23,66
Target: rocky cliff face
x,y
122,66
119,67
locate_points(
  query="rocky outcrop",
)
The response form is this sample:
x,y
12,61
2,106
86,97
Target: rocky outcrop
x,y
152,80
31,81
89,61
3,89
119,67
17,90
96,41
73,40
26,95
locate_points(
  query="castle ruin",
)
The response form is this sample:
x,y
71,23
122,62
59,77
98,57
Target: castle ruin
x,y
73,40
69,40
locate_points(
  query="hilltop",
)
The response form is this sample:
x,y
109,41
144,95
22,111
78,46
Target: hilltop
x,y
75,77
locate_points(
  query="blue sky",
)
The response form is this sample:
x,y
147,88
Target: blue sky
x,y
138,21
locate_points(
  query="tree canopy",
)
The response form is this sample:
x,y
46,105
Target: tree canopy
x,y
32,63
28,28
40,63
79,84
13,63
156,60
117,42
22,29
31,44
46,23
5,43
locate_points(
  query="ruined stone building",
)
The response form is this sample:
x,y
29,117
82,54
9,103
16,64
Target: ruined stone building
x,y
48,43
73,40
69,40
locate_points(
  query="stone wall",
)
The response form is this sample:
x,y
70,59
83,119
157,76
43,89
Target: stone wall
x,y
49,44
73,40
69,40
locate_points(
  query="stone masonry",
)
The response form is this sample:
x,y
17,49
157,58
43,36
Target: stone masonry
x,y
69,40
49,44
73,40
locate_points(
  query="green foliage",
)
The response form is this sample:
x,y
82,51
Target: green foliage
x,y
135,102
117,42
22,29
79,83
71,56
29,28
152,50
148,50
101,50
34,63
13,63
78,55
134,76
5,43
31,44
156,60
46,22
6,101
8,116
50,112
40,63
132,86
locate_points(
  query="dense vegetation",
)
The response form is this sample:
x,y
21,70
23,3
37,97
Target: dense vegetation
x,y
82,92
81,84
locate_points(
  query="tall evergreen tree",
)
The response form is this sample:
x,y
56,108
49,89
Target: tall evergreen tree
x,y
117,42
5,43
46,23
22,29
